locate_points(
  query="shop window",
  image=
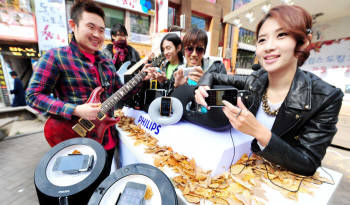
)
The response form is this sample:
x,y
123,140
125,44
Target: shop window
x,y
246,36
245,59
139,24
198,22
113,16
171,17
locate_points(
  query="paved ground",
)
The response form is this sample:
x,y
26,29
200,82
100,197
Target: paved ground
x,y
19,157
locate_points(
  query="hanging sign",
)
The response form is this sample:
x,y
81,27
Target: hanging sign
x,y
144,6
51,24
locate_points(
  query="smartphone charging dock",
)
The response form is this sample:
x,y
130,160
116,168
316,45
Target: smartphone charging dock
x,y
131,180
53,186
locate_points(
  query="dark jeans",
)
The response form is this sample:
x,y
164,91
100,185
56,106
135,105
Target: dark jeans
x,y
110,154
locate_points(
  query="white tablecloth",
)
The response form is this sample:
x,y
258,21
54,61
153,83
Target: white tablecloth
x,y
211,151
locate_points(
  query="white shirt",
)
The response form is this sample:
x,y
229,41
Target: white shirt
x,y
265,119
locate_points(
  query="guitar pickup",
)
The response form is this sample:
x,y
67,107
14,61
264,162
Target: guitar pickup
x,y
79,130
86,124
101,116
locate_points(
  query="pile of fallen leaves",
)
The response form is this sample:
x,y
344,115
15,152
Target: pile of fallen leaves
x,y
241,185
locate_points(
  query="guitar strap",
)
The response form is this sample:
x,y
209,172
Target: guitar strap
x,y
104,83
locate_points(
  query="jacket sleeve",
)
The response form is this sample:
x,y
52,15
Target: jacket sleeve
x,y
107,52
210,79
15,87
41,85
315,136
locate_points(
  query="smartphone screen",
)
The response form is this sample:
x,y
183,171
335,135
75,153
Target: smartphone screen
x,y
216,96
165,106
133,193
74,162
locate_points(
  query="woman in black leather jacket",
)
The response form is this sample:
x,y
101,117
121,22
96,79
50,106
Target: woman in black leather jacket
x,y
302,109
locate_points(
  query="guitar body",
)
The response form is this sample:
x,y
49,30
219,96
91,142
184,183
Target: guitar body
x,y
57,130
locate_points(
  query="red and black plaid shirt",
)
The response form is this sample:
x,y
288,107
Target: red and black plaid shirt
x,y
68,74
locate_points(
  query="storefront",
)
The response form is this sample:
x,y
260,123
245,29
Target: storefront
x,y
203,14
18,46
137,17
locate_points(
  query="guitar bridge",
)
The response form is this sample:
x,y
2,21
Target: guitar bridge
x,y
79,130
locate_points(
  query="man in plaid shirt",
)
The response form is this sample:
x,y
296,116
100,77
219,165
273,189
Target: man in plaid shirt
x,y
71,73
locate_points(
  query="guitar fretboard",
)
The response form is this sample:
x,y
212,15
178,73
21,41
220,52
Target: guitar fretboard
x,y
114,99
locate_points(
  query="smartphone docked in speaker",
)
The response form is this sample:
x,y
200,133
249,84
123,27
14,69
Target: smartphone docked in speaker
x,y
165,106
216,96
73,163
133,193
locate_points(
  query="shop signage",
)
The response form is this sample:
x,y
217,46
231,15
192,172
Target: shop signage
x,y
330,60
51,24
24,51
144,6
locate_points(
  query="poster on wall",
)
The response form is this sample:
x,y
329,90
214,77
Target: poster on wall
x,y
51,24
330,60
144,6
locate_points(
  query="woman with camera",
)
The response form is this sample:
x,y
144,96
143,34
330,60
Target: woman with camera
x,y
294,113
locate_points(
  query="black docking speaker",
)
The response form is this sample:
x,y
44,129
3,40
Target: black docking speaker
x,y
59,187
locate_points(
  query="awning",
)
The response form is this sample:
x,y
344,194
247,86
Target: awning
x,y
323,11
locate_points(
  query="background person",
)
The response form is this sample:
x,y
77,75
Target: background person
x,y
294,113
18,91
195,43
119,50
171,48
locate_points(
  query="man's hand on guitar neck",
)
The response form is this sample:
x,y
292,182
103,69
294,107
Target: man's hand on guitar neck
x,y
87,111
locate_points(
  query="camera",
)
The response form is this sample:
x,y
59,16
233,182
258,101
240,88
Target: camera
x,y
216,96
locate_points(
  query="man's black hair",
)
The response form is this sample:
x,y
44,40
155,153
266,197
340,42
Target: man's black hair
x,y
118,28
85,5
176,40
13,73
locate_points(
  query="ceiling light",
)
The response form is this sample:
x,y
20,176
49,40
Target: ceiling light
x,y
237,22
288,2
250,17
266,8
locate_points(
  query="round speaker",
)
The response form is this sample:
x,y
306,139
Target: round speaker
x,y
109,190
56,187
175,116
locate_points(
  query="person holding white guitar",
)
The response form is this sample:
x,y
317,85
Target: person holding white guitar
x,y
119,50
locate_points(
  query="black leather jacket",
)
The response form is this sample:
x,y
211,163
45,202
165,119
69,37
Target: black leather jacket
x,y
305,124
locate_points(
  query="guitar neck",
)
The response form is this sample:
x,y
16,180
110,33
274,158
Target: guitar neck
x,y
115,98
135,67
